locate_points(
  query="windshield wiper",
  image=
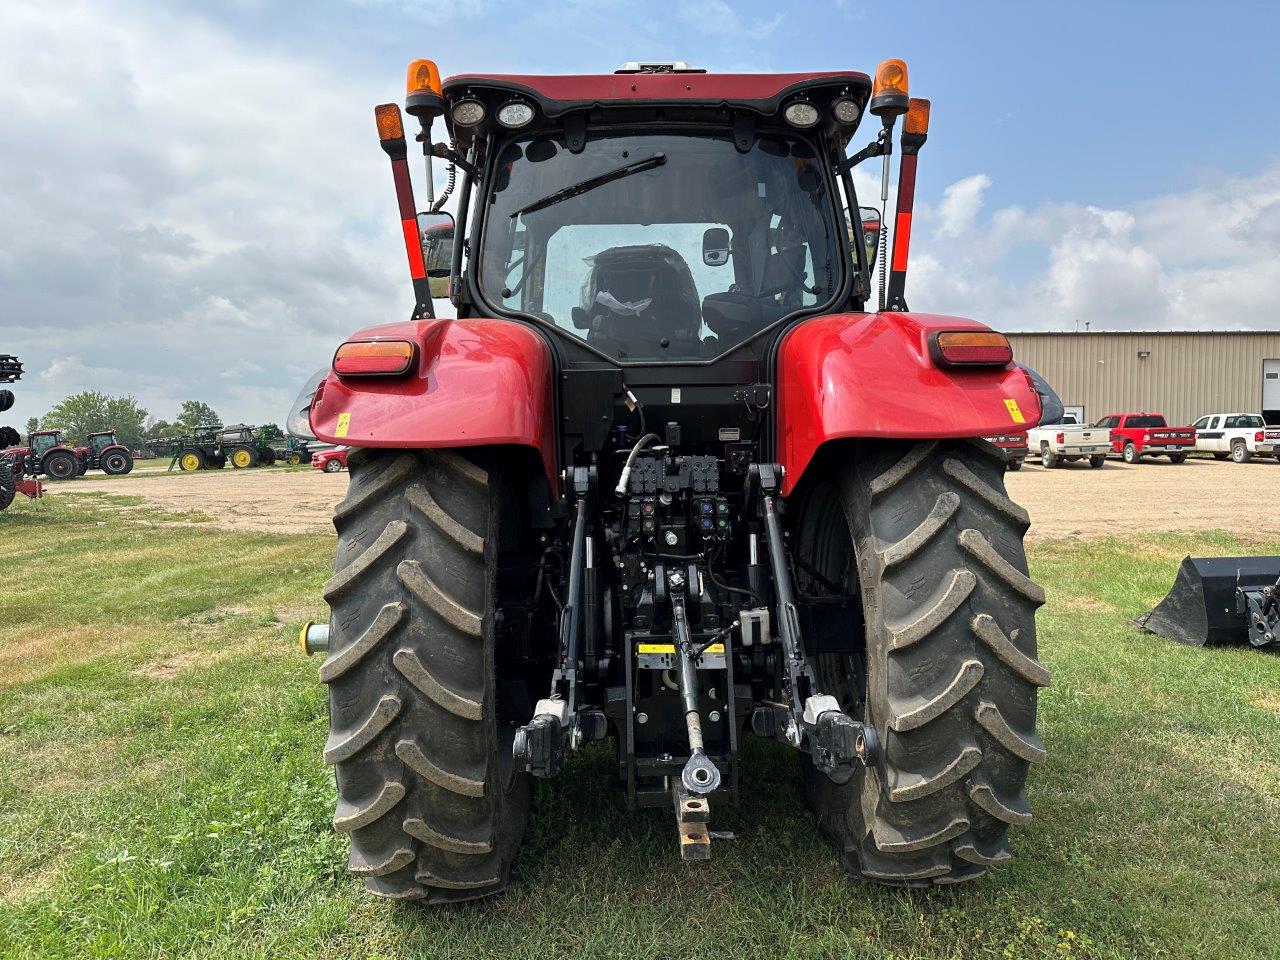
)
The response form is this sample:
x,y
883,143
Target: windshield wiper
x,y
577,189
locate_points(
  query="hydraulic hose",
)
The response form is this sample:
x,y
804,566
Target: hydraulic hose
x,y
621,488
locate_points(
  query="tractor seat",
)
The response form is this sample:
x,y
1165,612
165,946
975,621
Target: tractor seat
x,y
637,297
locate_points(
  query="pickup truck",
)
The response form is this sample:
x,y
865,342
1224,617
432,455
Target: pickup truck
x,y
1138,435
1014,448
1240,436
1068,440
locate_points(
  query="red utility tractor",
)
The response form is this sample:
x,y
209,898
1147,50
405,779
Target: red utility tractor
x,y
680,472
45,454
103,453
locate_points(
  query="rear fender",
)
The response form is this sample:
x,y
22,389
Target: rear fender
x,y
480,382
871,375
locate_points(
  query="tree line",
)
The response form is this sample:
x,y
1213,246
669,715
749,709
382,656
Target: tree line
x,y
91,411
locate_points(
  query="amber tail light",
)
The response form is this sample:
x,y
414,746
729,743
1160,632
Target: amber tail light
x,y
374,358
970,348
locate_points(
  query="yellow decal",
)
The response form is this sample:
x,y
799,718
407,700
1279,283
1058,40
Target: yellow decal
x,y
344,421
670,648
1014,410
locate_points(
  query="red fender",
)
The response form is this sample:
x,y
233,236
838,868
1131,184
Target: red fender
x,y
870,375
477,383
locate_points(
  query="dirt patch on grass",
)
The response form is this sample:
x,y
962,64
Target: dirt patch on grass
x,y
1072,501
32,883
1269,702
265,500
1150,497
171,666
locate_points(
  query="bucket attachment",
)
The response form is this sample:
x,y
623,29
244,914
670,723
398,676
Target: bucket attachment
x,y
1220,600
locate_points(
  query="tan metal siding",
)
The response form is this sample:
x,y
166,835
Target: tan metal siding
x,y
1186,376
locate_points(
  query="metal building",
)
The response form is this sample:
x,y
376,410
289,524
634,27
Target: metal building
x,y
1183,375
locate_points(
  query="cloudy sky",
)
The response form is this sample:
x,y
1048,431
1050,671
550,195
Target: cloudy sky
x,y
194,204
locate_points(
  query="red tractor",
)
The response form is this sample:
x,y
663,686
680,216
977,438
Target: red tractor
x,y
45,454
675,475
103,452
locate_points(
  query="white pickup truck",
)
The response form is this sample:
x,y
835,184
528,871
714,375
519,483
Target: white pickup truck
x,y
1240,436
1068,441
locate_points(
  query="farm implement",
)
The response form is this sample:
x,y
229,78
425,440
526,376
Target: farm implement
x,y
15,475
680,472
1219,601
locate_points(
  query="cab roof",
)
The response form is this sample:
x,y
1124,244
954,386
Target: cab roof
x,y
758,92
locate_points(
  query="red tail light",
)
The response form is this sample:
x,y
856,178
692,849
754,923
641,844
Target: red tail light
x,y
1258,437
1060,438
373,358
970,348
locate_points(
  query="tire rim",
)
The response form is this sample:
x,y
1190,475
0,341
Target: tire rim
x,y
190,462
240,459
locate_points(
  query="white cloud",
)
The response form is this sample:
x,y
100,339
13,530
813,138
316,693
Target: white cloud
x,y
1202,258
961,203
180,202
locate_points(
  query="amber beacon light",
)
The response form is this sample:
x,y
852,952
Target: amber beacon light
x,y
889,89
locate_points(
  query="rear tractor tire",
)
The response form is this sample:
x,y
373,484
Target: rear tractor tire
x,y
62,465
8,485
946,667
425,784
189,461
117,463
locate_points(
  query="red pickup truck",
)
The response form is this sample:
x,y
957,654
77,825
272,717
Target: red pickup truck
x,y
1138,435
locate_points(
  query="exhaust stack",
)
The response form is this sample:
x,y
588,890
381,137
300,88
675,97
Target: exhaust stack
x,y
915,130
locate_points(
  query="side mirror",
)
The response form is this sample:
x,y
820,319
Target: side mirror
x,y
870,218
436,230
715,246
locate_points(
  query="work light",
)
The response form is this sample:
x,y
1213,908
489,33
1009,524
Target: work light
x,y
801,114
846,110
515,114
467,113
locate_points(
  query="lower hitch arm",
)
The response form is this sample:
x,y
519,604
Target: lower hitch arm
x,y
811,720
557,725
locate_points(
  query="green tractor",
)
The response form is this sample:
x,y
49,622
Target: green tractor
x,y
244,447
292,451
201,449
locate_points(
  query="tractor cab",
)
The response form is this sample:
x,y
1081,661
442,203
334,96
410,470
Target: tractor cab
x,y
42,441
99,442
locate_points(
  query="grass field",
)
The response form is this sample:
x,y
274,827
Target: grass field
x,y
161,793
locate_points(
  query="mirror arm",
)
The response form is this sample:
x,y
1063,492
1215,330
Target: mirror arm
x,y
882,146
442,151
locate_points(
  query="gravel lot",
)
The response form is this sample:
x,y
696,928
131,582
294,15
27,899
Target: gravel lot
x,y
1071,501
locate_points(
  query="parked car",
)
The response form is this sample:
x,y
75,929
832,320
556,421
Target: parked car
x,y
1240,436
330,461
1069,440
1014,447
1138,435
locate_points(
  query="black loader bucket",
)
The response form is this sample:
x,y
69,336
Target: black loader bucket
x,y
1215,600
